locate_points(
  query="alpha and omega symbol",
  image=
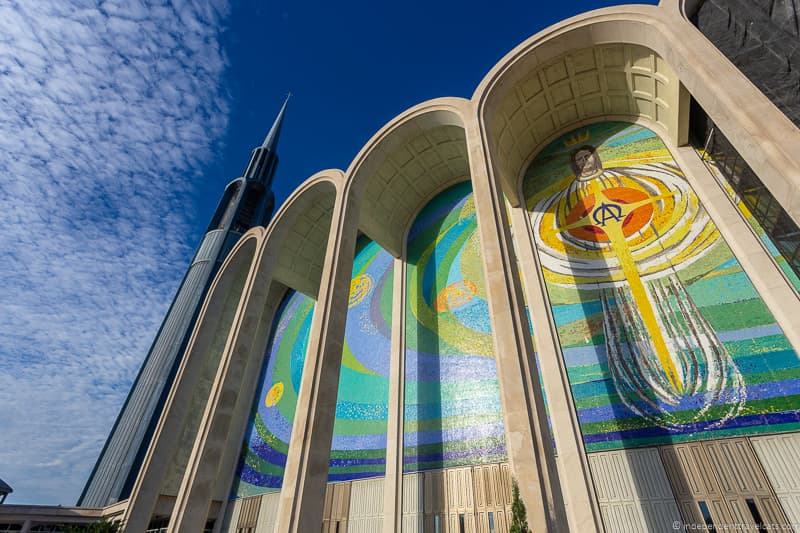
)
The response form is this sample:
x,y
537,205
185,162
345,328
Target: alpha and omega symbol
x,y
606,212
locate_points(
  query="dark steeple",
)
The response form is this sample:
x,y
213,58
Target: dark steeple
x,y
248,201
264,158
271,140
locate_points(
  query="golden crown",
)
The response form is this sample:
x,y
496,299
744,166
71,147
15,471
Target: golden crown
x,y
577,139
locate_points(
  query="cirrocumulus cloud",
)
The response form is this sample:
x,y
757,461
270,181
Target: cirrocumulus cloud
x,y
110,112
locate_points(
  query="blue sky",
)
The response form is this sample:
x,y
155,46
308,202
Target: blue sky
x,y
123,120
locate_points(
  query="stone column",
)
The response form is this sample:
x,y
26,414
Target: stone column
x,y
26,526
210,328
528,438
576,482
393,482
244,405
303,492
232,387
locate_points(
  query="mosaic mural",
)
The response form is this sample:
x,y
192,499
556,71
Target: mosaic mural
x,y
664,336
359,433
266,443
452,414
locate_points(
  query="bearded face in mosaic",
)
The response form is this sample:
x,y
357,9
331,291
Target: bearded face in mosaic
x,y
585,162
624,230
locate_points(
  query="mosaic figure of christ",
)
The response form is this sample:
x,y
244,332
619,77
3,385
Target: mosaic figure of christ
x,y
627,231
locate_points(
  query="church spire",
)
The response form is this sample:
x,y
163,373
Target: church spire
x,y
247,202
264,158
271,140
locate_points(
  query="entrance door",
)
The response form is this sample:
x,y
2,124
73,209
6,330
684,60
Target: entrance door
x,y
337,507
492,497
720,483
435,502
460,506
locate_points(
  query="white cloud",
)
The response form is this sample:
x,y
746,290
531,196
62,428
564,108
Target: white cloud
x,y
108,113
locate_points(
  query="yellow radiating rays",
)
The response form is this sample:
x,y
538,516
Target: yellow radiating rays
x,y
612,215
360,286
274,395
617,224
671,226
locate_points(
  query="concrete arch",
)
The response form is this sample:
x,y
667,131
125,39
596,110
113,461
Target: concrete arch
x,y
296,239
625,63
168,454
290,248
252,237
721,213
600,64
508,107
418,152
267,291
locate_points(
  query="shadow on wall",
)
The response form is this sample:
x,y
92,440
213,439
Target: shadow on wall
x,y
423,344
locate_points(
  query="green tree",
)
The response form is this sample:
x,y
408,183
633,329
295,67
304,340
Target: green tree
x,y
519,520
96,527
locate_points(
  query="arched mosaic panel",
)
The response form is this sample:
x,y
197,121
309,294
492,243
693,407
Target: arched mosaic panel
x,y
358,449
359,432
453,415
267,439
664,336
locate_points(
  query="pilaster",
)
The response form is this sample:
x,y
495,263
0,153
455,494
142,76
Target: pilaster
x,y
244,405
528,437
774,289
393,482
233,388
759,131
211,326
576,485
305,477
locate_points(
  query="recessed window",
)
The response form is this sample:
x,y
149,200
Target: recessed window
x,y
704,510
751,504
491,522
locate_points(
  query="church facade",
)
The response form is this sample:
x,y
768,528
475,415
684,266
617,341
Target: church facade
x,y
582,279
565,281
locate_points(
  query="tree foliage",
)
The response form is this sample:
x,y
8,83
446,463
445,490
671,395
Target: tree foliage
x,y
519,519
96,527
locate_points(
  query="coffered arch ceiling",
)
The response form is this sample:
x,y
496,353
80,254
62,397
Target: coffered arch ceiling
x,y
405,164
541,99
297,237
